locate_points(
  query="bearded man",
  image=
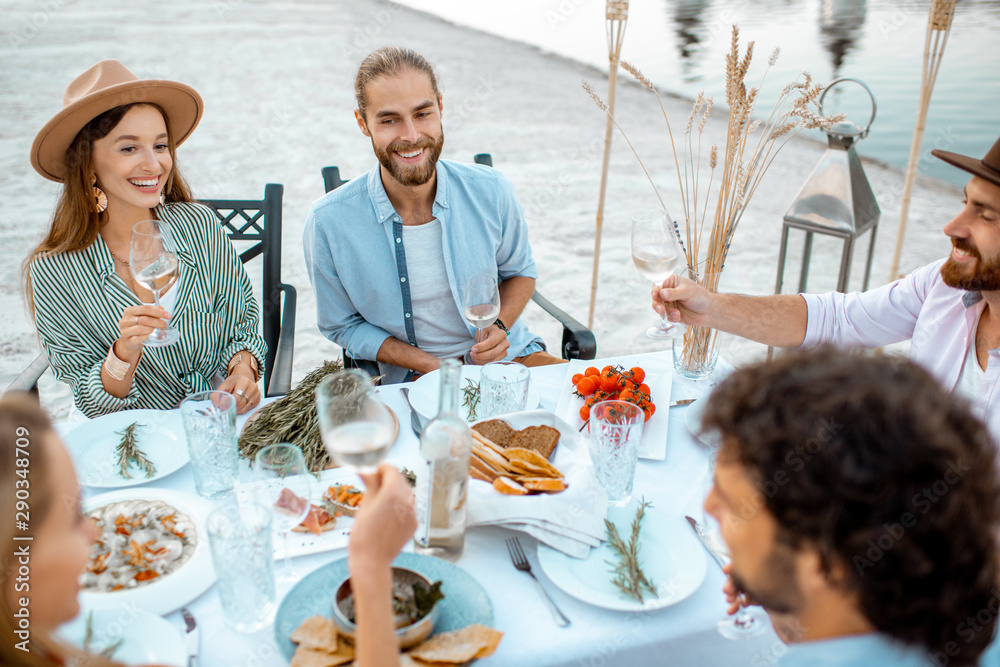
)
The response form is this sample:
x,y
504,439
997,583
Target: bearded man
x,y
390,253
949,310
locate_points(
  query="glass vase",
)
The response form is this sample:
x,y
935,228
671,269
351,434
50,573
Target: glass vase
x,y
697,353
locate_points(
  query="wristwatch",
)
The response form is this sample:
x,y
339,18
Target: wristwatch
x,y
502,326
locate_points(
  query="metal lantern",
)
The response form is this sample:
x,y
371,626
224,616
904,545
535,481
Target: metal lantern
x,y
836,200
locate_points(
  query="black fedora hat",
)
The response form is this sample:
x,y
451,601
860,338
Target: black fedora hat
x,y
988,167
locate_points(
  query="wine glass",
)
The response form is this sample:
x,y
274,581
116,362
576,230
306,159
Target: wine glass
x,y
751,621
279,469
357,428
656,253
154,266
481,302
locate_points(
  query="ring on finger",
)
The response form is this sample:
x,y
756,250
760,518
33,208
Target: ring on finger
x,y
239,392
136,320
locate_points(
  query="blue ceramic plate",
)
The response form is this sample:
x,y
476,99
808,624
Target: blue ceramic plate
x,y
465,602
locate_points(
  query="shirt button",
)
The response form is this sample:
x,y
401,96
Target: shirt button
x,y
399,240
407,315
402,280
380,217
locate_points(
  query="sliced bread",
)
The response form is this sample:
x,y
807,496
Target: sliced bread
x,y
496,430
541,439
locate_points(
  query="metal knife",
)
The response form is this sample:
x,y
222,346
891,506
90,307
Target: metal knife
x,y
707,542
191,638
415,423
683,401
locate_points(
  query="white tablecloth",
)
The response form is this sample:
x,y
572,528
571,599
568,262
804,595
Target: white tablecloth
x,y
683,634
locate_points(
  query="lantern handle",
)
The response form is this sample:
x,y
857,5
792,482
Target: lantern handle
x,y
838,129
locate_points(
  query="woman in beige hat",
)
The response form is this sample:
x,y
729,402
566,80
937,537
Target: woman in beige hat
x,y
112,146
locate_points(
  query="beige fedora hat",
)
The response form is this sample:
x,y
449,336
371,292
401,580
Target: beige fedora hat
x,y
107,85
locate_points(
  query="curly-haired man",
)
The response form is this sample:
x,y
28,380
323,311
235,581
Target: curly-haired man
x,y
861,503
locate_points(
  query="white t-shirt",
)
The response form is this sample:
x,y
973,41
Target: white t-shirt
x,y
970,380
439,326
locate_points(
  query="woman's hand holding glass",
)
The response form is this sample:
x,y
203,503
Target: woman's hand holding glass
x,y
134,327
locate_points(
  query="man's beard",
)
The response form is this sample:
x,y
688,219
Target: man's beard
x,y
985,275
411,175
776,590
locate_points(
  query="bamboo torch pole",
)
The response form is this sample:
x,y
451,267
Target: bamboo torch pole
x,y
938,27
616,16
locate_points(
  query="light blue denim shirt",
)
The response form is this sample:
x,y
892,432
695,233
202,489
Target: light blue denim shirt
x,y
871,650
357,264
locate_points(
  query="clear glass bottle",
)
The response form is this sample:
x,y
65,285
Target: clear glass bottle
x,y
446,444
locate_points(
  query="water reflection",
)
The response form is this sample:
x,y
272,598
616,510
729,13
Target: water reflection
x,y
689,26
840,25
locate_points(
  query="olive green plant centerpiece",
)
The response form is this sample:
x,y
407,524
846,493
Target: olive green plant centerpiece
x,y
291,419
712,215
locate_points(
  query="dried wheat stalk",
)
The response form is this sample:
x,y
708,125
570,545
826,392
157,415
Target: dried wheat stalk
x,y
742,164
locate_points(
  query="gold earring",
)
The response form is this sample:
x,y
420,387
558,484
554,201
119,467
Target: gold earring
x,y
100,199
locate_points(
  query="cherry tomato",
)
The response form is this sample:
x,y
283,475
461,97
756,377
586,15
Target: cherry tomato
x,y
591,371
585,412
644,388
609,383
606,370
577,378
625,383
638,375
586,386
628,395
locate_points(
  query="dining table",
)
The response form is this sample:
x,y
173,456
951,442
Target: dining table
x,y
683,633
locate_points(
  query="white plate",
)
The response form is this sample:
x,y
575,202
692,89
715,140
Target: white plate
x,y
147,639
692,419
659,374
425,392
303,544
176,589
669,555
160,436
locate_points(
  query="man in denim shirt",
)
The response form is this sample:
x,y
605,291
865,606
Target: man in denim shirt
x,y
390,253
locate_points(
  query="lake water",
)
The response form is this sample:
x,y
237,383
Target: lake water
x,y
680,44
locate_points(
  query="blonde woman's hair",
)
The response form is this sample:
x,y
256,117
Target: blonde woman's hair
x,y
24,426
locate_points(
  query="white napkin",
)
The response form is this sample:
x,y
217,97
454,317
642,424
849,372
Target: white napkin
x,y
571,521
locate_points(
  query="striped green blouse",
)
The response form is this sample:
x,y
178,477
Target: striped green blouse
x,y
79,299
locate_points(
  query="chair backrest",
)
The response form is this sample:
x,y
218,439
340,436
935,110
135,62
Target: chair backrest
x,y
259,220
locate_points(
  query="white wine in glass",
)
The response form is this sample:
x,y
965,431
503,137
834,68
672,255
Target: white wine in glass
x,y
357,428
657,254
154,266
481,302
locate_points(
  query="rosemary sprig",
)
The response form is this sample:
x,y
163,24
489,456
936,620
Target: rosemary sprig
x,y
292,419
470,397
129,454
628,575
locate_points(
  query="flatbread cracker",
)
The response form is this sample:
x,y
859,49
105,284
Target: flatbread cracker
x,y
531,458
316,632
314,657
458,646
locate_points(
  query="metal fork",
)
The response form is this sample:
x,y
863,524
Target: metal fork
x,y
522,564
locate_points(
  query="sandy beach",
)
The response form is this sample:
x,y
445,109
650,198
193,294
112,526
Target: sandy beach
x,y
277,83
